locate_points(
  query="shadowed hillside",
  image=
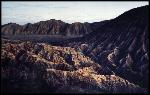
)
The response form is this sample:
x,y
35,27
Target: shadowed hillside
x,y
121,44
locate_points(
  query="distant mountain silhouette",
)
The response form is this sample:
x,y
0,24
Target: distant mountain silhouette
x,y
49,27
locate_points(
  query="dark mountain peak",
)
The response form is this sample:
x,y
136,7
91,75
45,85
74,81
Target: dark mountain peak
x,y
139,12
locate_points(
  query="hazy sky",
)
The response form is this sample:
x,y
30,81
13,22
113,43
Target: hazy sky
x,y
31,12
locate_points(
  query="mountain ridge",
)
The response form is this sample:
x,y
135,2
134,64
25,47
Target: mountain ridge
x,y
58,27
50,27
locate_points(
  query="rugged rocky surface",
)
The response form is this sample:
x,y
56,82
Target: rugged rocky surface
x,y
111,57
41,68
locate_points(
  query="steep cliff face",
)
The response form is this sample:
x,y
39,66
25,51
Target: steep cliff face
x,y
49,27
121,44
